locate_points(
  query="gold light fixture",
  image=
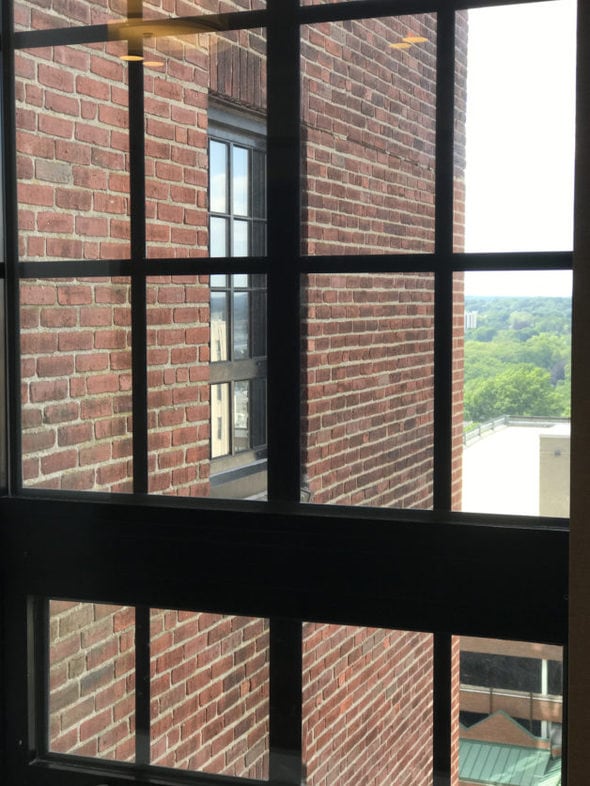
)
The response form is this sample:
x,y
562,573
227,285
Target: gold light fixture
x,y
400,45
415,39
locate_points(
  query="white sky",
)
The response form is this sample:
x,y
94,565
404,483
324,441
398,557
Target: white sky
x,y
520,140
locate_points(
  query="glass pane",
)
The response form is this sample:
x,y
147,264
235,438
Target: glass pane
x,y
40,15
186,175
367,705
369,114
510,712
178,385
158,9
206,408
368,397
240,244
220,420
72,153
240,181
218,237
217,177
76,384
241,314
92,680
241,415
519,155
517,387
219,326
209,690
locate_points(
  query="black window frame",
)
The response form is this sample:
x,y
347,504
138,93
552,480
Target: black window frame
x,y
281,559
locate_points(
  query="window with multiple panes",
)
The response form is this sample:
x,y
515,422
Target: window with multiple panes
x,y
235,265
237,228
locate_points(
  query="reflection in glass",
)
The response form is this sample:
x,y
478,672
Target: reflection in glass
x,y
220,423
218,237
217,177
240,181
241,415
241,324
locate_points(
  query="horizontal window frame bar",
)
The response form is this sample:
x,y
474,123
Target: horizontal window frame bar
x,y
221,371
103,33
247,20
296,561
386,263
80,771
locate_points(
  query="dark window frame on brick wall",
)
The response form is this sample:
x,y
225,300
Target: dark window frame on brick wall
x,y
431,571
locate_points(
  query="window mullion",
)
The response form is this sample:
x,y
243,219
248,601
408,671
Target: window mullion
x,y
284,178
138,280
443,367
443,309
142,685
10,251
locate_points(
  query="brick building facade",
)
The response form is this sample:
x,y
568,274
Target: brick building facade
x,y
367,392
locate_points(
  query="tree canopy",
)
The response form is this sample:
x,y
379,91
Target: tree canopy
x,y
517,359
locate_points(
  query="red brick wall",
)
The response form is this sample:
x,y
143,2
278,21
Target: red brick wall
x,y
367,706
369,132
92,680
368,413
210,688
76,383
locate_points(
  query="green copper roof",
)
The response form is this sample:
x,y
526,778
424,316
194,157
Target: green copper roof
x,y
493,764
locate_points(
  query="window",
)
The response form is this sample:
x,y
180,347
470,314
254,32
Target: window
x,y
234,268
237,228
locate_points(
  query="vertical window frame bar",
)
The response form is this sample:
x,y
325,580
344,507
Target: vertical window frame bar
x,y
285,709
139,395
11,294
443,294
142,686
284,247
443,364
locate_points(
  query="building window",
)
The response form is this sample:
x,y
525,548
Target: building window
x,y
237,228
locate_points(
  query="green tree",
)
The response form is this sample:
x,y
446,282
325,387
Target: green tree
x,y
521,389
